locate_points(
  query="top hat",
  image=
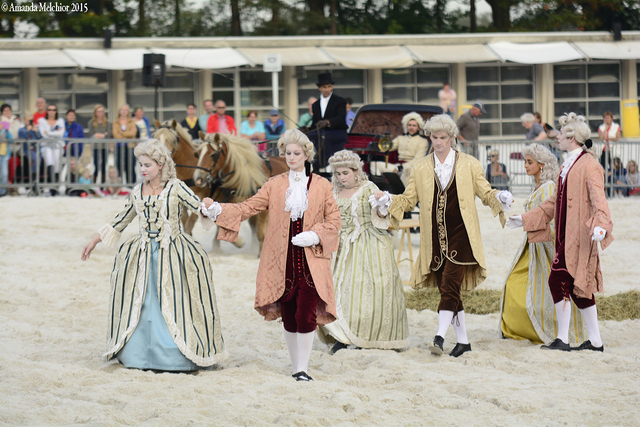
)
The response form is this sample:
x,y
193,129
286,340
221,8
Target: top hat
x,y
325,79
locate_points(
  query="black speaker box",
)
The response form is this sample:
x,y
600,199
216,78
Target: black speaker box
x,y
153,70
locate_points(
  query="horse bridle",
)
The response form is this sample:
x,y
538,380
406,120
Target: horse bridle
x,y
177,138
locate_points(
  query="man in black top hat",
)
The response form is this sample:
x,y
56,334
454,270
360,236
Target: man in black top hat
x,y
329,126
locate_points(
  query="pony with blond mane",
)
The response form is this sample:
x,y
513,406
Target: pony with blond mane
x,y
233,169
183,152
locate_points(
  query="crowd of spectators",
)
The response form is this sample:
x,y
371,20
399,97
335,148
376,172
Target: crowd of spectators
x,y
112,164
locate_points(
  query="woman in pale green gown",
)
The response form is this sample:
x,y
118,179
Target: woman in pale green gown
x,y
527,309
368,289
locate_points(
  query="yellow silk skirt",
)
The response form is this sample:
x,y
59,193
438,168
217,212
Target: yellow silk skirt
x,y
515,319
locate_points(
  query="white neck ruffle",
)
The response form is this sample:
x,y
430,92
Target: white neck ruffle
x,y
297,195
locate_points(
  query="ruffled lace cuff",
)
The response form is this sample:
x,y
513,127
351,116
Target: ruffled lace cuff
x,y
109,235
209,216
381,223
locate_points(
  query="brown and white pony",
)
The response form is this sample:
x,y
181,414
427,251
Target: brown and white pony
x,y
232,167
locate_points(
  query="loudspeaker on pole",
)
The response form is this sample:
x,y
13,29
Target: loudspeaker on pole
x,y
153,70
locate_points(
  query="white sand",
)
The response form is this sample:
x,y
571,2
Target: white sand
x,y
53,312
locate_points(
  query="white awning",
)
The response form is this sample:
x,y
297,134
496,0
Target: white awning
x,y
108,59
454,53
291,56
203,59
536,53
371,57
45,58
610,50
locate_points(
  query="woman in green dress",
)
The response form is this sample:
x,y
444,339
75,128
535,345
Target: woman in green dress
x,y
368,289
527,309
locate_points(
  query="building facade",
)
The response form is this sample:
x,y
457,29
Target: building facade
x,y
511,74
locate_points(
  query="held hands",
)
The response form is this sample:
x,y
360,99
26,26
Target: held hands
x,y
506,199
210,209
514,221
380,200
598,234
306,238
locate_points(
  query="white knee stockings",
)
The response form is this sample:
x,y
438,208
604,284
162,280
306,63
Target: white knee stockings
x,y
299,346
444,320
563,316
590,317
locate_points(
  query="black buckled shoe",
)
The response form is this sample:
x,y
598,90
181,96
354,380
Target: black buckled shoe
x,y
460,349
436,346
558,344
302,376
588,346
336,347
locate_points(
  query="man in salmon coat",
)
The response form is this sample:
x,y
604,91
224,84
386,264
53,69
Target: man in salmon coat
x,y
294,277
582,219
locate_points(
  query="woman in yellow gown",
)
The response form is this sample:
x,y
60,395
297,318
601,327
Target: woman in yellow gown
x,y
527,309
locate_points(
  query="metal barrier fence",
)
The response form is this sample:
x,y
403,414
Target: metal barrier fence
x,y
73,166
510,154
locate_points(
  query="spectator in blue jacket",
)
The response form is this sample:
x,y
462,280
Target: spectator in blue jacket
x,y
73,130
274,127
142,123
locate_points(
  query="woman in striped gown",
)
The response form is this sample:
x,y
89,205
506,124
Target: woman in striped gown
x,y
368,289
162,307
527,309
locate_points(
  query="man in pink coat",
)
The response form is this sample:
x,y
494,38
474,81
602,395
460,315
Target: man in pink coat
x,y
582,219
294,277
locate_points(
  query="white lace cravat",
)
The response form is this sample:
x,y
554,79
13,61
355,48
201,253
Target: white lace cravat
x,y
297,195
569,161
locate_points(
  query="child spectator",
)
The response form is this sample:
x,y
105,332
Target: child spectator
x,y
633,178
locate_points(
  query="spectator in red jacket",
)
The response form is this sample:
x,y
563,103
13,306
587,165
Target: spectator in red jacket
x,y
220,122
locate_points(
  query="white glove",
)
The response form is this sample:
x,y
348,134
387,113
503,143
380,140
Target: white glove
x,y
514,221
505,198
598,234
213,211
306,238
382,204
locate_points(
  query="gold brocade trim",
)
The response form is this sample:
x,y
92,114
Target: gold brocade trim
x,y
441,223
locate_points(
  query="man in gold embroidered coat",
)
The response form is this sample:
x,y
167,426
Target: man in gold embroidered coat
x,y
446,183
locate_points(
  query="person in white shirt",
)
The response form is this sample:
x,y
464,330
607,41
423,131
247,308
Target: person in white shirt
x,y
609,133
52,130
446,183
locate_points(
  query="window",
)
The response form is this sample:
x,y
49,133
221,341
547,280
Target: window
x,y
348,84
587,89
414,85
507,93
80,90
173,98
10,83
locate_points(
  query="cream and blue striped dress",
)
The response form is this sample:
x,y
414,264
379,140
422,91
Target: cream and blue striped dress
x,y
162,308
